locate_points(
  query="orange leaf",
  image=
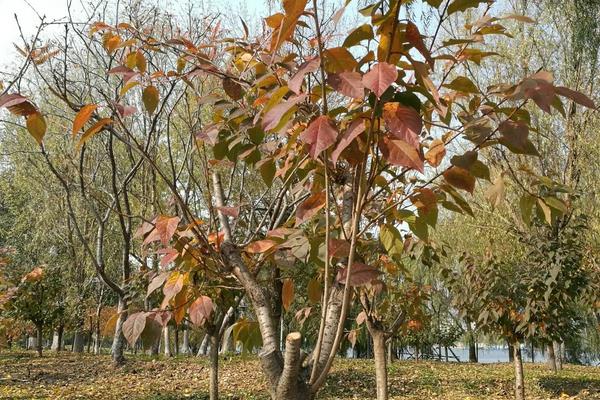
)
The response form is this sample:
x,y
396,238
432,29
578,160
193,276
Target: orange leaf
x,y
94,129
82,117
460,178
436,152
260,246
287,294
310,207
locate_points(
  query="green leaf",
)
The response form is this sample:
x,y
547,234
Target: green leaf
x,y
462,5
267,171
363,32
391,240
526,205
462,84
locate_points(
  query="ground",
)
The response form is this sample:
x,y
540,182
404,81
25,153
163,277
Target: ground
x,y
70,376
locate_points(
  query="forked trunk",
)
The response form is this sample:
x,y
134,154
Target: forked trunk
x,y
519,378
118,344
551,362
379,351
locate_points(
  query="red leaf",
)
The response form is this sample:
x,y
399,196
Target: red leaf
x,y
414,37
310,207
403,122
398,152
360,274
320,134
347,83
295,82
272,117
380,77
338,248
201,310
125,111
164,229
169,255
230,211
17,104
356,128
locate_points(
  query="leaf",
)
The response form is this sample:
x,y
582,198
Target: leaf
x,y
151,333
233,212
460,178
140,62
134,326
338,59
320,135
310,65
314,291
577,97
462,5
150,98
201,310
109,328
520,18
164,229
287,294
526,205
495,193
347,83
310,207
354,130
232,89
168,255
363,32
360,274
545,210
403,122
515,137
36,125
260,246
436,152
398,152
34,275
391,240
173,286
380,77
17,104
284,26
338,248
462,84
272,118
93,130
413,36
82,117
157,282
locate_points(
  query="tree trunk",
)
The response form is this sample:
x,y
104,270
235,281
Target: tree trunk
x,y
185,347
551,362
166,341
519,378
511,351
78,340
471,342
379,352
176,339
39,338
57,338
214,366
118,344
559,351
203,346
31,343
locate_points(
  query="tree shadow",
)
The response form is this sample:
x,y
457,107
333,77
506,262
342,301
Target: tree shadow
x,y
571,386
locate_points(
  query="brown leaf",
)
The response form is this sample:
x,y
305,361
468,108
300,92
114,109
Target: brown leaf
x,y
320,135
35,275
436,152
577,97
347,83
93,130
17,104
460,178
380,77
230,211
414,37
403,122
398,152
360,274
338,248
287,294
314,291
232,88
134,326
260,246
310,207
338,59
157,282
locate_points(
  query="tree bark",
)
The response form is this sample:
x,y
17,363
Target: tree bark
x,y
471,341
511,353
559,351
214,366
551,362
379,352
185,347
118,344
290,385
203,346
39,338
519,378
78,340
166,341
57,338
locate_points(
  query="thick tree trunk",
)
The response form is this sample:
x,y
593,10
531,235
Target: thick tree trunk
x,y
379,352
214,366
559,350
39,338
78,340
290,385
519,378
118,344
185,347
166,341
57,338
511,353
471,342
551,361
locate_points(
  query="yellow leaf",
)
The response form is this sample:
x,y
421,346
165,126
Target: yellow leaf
x,y
150,99
36,125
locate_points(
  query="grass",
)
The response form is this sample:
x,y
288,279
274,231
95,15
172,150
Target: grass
x,y
70,376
